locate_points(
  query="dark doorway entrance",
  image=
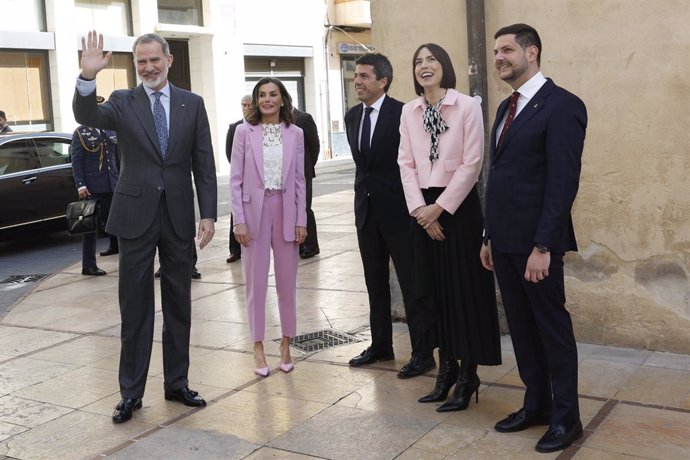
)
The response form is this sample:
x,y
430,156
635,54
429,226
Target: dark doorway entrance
x,y
179,72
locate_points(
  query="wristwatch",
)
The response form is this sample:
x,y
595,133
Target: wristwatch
x,y
541,248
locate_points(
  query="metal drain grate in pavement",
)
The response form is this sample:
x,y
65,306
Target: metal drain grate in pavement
x,y
321,340
19,279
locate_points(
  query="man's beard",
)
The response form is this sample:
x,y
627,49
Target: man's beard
x,y
155,83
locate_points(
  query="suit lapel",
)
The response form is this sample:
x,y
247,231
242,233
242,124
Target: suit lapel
x,y
381,127
142,110
256,140
533,106
353,130
178,113
500,113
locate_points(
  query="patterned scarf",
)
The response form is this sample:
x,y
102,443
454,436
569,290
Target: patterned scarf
x,y
434,125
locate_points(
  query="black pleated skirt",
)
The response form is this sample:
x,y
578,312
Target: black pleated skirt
x,y
450,276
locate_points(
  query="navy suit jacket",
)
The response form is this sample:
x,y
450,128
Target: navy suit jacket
x,y
535,173
144,174
377,177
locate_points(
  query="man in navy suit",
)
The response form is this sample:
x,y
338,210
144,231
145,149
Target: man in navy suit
x,y
164,139
95,167
536,150
383,223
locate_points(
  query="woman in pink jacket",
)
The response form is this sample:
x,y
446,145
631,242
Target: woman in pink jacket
x,y
440,158
269,206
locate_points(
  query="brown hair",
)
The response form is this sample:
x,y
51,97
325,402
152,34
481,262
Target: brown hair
x,y
285,114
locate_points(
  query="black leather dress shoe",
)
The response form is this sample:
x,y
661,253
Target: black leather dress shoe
x,y
521,420
110,252
558,437
195,274
309,253
416,366
370,356
233,258
125,408
95,271
186,397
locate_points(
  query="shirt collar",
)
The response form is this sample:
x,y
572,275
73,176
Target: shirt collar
x,y
165,90
532,86
376,105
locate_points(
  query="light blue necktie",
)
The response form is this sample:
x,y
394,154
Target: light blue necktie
x,y
161,123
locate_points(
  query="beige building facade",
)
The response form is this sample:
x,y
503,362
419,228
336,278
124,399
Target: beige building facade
x,y
628,285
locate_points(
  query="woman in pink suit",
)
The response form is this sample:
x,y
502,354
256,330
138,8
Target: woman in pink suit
x,y
440,158
269,206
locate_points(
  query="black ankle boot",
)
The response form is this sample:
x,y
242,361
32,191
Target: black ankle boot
x,y
448,372
468,383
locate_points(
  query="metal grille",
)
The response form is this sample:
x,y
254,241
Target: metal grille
x,y
19,279
321,340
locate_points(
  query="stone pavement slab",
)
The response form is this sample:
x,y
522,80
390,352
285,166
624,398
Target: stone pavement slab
x,y
59,352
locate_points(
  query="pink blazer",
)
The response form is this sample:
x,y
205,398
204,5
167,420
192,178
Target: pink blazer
x,y
247,178
460,151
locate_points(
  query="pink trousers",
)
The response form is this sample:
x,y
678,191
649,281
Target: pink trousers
x,y
256,259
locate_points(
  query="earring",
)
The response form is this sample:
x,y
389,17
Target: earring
x,y
282,105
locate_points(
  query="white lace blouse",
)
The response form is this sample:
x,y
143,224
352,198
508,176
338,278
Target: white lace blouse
x,y
273,157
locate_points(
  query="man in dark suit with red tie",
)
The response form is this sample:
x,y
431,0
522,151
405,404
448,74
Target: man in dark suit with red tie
x,y
383,223
164,139
536,149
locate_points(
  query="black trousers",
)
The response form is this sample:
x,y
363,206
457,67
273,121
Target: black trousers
x,y
542,335
137,305
312,241
90,240
234,246
377,247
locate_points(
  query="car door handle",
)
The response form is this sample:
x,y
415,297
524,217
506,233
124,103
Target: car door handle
x,y
28,180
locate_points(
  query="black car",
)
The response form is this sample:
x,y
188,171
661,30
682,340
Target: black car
x,y
36,181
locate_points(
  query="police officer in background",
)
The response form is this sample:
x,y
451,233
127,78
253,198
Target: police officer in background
x,y
95,167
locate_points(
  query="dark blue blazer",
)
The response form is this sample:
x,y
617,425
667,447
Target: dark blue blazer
x,y
534,174
95,160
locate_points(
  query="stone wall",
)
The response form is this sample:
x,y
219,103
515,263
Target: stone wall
x,y
627,60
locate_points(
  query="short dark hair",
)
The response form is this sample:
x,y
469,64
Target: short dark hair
x,y
524,35
148,38
2,114
285,113
382,66
448,80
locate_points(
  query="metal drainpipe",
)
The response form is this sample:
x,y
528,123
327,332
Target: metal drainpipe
x,y
476,53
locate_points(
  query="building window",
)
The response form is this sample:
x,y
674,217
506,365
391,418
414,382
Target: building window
x,y
25,15
183,12
110,17
26,90
286,69
347,67
118,75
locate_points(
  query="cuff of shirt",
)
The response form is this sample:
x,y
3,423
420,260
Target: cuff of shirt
x,y
85,87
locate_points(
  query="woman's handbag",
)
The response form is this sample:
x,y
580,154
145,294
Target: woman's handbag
x,y
82,217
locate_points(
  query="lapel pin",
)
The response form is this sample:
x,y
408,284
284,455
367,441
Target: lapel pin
x,y
536,105
182,105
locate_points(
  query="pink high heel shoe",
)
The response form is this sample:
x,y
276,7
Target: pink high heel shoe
x,y
263,371
286,367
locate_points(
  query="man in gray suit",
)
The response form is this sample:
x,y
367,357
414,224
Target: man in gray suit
x,y
163,131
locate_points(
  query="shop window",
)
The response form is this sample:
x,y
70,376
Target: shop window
x,y
26,89
183,12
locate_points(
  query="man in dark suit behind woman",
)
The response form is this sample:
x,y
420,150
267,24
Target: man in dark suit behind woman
x,y
383,223
164,136
312,146
234,247
536,149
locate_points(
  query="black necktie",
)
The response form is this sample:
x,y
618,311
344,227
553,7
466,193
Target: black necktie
x,y
365,141
512,108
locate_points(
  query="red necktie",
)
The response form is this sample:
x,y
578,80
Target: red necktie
x,y
512,108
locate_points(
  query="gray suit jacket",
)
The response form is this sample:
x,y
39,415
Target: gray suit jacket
x,y
144,174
